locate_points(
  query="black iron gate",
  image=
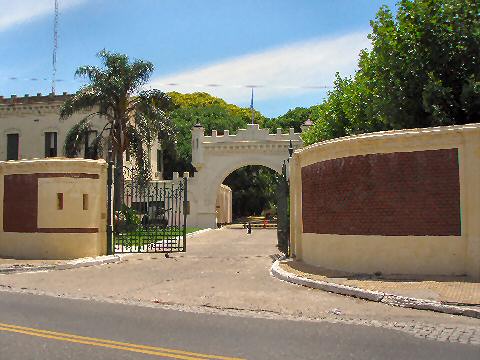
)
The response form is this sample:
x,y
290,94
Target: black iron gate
x,y
152,216
283,219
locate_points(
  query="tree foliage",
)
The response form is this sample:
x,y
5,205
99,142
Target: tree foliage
x,y
199,108
210,117
253,190
253,187
133,117
293,118
423,70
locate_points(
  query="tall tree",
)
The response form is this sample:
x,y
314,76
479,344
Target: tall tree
x,y
133,117
423,70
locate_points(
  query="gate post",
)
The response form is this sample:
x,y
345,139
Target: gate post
x,y
283,223
186,210
110,248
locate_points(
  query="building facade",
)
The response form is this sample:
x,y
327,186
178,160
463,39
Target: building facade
x,y
30,128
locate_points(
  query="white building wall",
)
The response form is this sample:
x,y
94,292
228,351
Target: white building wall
x,y
215,157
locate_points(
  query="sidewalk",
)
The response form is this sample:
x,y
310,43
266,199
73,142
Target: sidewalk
x,y
8,265
448,294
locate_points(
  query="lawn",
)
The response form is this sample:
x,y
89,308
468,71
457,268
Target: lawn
x,y
143,236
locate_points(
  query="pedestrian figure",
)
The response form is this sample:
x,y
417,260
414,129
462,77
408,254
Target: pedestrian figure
x,y
249,228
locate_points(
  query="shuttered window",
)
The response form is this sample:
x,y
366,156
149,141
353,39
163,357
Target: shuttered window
x,y
50,144
12,146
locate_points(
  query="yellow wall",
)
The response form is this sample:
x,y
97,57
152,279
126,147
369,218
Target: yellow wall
x,y
436,255
72,215
60,245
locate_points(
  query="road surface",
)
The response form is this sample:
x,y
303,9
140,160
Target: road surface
x,y
49,328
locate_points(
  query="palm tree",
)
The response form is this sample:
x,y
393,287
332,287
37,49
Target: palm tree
x,y
134,118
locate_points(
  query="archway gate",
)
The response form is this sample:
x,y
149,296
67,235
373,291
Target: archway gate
x,y
216,156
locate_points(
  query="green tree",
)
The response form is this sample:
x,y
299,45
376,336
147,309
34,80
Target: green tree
x,y
211,117
253,187
253,190
133,118
211,112
423,70
293,118
201,99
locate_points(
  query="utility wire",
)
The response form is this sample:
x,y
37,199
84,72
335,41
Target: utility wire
x,y
212,85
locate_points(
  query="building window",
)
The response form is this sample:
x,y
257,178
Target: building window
x,y
85,201
59,201
12,146
90,146
50,144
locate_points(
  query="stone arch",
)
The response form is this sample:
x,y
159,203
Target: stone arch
x,y
233,167
216,157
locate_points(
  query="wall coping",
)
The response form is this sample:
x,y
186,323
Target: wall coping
x,y
252,133
51,165
390,135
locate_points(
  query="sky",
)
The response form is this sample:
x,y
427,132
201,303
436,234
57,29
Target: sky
x,y
289,50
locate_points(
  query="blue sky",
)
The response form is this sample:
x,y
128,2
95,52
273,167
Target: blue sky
x,y
286,46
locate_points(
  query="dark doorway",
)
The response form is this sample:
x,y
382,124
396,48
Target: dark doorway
x,y
253,191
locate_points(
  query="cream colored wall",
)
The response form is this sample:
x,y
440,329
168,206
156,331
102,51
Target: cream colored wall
x,y
72,215
60,245
437,255
31,122
32,117
440,255
224,205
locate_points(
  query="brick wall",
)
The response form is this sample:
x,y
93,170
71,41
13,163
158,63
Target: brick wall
x,y
402,193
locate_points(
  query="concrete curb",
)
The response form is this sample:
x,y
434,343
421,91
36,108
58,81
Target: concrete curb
x,y
73,264
377,296
198,232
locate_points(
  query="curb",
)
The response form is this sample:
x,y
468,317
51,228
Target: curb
x,y
73,264
377,296
201,231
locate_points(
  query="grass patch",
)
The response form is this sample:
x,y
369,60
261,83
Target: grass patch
x,y
143,236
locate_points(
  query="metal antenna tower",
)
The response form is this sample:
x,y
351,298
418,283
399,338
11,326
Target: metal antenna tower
x,y
55,45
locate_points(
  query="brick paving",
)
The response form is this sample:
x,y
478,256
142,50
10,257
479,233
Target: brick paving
x,y
448,290
445,333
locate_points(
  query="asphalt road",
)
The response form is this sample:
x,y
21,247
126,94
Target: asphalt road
x,y
117,331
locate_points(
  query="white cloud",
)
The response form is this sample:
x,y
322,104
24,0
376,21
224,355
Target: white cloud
x,y
14,12
283,71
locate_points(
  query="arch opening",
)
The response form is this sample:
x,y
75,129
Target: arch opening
x,y
247,194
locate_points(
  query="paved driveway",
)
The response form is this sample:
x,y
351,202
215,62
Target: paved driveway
x,y
222,269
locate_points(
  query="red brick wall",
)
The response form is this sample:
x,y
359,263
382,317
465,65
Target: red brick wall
x,y
20,199
403,193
